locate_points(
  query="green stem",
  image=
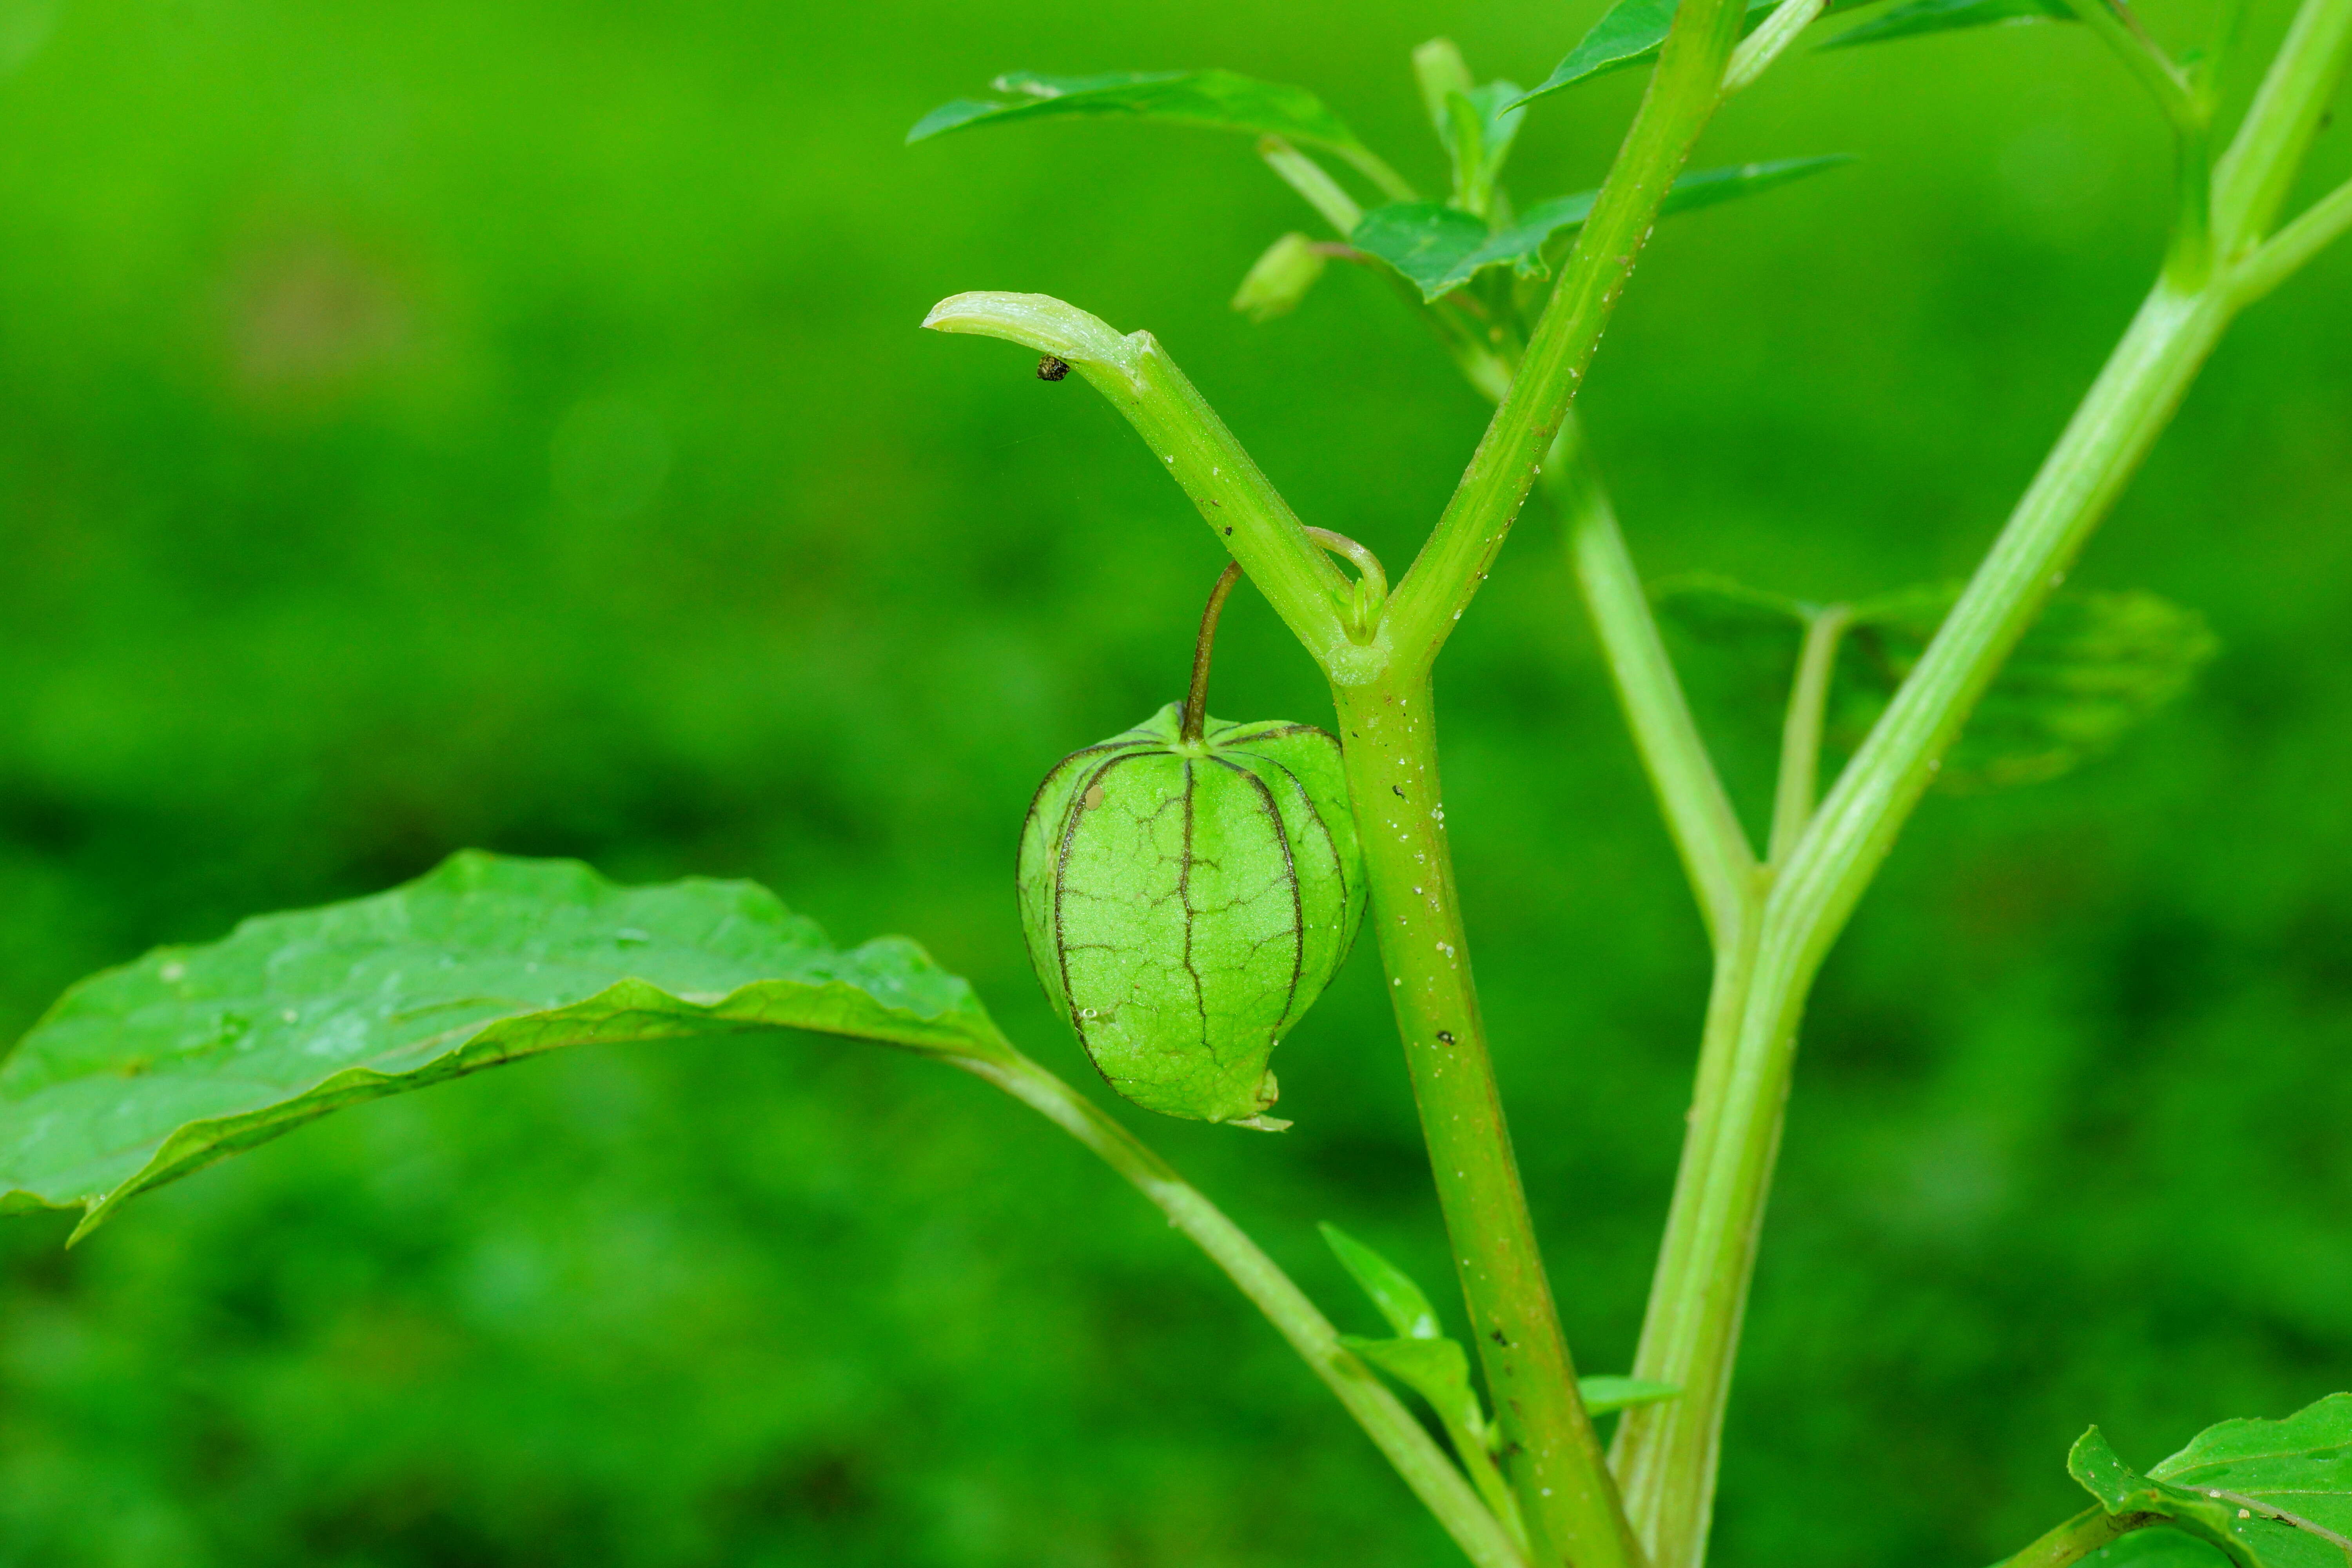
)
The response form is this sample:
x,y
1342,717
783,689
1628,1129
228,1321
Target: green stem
x,y
1757,52
2325,221
1305,175
1664,1454
2078,1538
2251,181
1371,165
1707,832
1401,1437
1682,97
1193,445
2191,259
1800,732
1549,1449
1668,1457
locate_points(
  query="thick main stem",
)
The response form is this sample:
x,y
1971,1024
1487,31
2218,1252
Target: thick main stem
x,y
1402,1439
1550,1452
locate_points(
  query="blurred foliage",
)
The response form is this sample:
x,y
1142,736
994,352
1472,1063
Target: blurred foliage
x,y
504,425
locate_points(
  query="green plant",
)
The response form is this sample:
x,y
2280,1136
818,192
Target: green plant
x,y
151,1071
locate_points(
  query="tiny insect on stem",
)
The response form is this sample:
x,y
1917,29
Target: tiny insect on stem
x,y
1051,368
1196,705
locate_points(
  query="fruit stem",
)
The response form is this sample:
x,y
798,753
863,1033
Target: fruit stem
x,y
1196,705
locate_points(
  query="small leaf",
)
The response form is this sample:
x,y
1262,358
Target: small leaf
x,y
1920,18
1280,278
1218,100
2269,1494
1426,241
1480,126
1604,1394
1437,1370
148,1072
1628,34
1392,1290
2092,666
1440,248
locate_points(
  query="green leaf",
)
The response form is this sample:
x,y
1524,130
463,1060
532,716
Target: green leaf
x,y
2092,666
1480,126
1604,1394
148,1072
1280,278
1628,34
1439,248
1426,241
1399,1300
1920,18
1438,1370
2269,1494
1219,100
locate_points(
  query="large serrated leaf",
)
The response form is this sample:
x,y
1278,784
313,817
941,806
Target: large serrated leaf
x,y
1219,100
144,1073
2094,665
1439,248
2268,1494
1920,18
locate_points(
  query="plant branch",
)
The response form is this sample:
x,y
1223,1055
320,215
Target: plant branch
x,y
2284,253
1715,850
1305,175
1369,163
1801,733
1668,1457
1761,47
1682,97
1567,1500
1237,500
2251,181
1398,1435
2191,114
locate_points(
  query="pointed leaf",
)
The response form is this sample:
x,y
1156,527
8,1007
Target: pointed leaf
x,y
1440,248
148,1072
1219,100
1480,126
2094,665
2269,1494
1392,1290
1604,1394
1920,18
1628,34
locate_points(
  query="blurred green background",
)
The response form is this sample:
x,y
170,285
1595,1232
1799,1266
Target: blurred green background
x,y
503,424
